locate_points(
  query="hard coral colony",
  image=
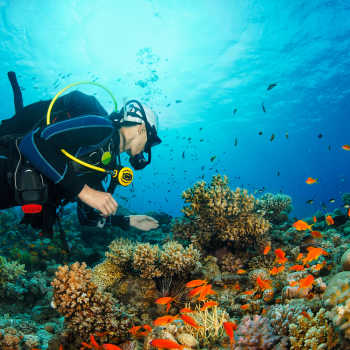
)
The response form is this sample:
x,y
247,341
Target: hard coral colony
x,y
230,273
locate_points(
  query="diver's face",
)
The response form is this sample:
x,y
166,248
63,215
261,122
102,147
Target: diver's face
x,y
138,142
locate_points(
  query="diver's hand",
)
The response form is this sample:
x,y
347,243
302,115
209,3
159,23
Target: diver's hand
x,y
143,222
101,201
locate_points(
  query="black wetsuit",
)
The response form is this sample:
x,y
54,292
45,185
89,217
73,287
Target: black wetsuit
x,y
80,134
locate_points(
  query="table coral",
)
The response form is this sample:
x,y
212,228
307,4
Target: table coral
x,y
316,333
218,213
85,308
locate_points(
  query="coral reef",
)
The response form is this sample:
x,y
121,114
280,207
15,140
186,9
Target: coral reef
x,y
345,260
272,205
212,322
152,261
217,213
10,339
257,333
85,308
337,299
106,273
314,333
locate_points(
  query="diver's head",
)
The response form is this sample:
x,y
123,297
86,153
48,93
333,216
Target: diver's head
x,y
138,124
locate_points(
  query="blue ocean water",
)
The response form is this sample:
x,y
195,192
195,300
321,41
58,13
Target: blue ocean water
x,y
214,56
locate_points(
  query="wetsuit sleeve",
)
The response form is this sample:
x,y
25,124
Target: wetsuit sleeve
x,y
42,147
89,217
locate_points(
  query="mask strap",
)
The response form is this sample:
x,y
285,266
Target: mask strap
x,y
124,102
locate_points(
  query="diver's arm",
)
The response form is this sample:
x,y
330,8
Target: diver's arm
x,y
89,217
42,148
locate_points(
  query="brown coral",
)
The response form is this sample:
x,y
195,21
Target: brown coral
x,y
272,205
106,273
345,260
85,308
151,261
316,333
10,339
216,212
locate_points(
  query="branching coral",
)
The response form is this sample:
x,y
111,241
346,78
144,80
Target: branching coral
x,y
212,322
216,212
152,261
85,308
258,334
316,333
10,271
272,205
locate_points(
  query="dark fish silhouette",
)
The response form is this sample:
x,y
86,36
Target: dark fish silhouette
x,y
263,107
260,133
183,154
287,136
278,173
309,201
236,142
178,101
329,147
272,137
271,86
234,112
320,136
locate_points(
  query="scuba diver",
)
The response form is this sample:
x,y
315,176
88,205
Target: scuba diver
x,y
38,171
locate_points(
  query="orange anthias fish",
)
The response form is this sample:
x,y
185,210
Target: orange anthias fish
x,y
190,321
263,284
134,330
314,217
165,300
196,291
248,292
186,310
273,271
305,314
281,268
266,250
316,234
297,268
236,287
310,181
204,292
229,332
208,304
280,259
111,347
166,344
245,307
87,345
300,256
241,271
94,343
293,283
162,321
313,254
301,225
329,220
195,283
306,282
101,334
349,212
346,147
